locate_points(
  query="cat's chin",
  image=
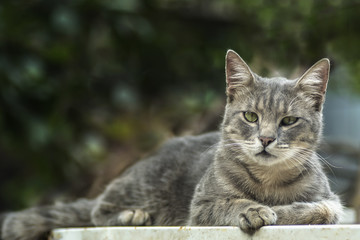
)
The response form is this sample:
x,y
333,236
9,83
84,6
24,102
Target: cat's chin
x,y
266,158
264,154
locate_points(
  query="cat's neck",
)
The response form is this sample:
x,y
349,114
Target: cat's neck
x,y
278,183
280,174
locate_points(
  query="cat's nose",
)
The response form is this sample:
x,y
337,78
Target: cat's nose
x,y
265,141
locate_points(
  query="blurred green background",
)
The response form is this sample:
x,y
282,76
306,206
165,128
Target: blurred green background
x,y
87,87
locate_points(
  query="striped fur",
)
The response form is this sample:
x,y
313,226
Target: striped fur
x,y
231,177
284,185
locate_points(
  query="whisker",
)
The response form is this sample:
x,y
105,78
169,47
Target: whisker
x,y
296,161
322,159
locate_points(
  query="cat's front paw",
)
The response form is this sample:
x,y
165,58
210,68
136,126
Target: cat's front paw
x,y
134,218
256,217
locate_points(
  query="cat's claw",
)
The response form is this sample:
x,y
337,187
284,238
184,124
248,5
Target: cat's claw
x,y
134,218
255,218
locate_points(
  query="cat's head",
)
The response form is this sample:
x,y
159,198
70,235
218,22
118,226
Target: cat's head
x,y
269,120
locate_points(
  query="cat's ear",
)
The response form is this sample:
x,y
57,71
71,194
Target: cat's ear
x,y
314,82
238,74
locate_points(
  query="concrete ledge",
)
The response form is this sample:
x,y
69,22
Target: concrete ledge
x,y
295,232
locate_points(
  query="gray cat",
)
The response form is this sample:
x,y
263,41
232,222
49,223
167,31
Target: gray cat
x,y
260,169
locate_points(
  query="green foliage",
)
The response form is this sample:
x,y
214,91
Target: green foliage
x,y
77,77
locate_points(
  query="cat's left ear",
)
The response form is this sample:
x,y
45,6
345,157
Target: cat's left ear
x,y
238,74
314,82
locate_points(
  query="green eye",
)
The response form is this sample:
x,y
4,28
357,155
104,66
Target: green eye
x,y
286,121
251,116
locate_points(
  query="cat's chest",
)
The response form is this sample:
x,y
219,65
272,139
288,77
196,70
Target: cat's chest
x,y
271,195
270,190
281,192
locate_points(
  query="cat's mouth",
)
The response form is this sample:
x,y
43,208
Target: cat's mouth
x,y
264,154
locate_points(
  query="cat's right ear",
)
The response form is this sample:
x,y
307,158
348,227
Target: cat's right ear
x,y
314,82
238,74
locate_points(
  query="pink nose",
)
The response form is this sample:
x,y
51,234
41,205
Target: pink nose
x,y
266,140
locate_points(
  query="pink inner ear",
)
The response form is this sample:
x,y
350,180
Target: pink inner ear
x,y
325,76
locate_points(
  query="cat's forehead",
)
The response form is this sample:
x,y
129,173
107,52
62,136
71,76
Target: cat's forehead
x,y
279,83
271,95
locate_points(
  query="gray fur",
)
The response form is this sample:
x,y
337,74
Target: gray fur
x,y
220,178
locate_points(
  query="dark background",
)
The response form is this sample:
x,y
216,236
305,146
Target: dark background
x,y
88,87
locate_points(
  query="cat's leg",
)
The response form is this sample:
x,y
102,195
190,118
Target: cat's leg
x,y
120,205
246,214
322,212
